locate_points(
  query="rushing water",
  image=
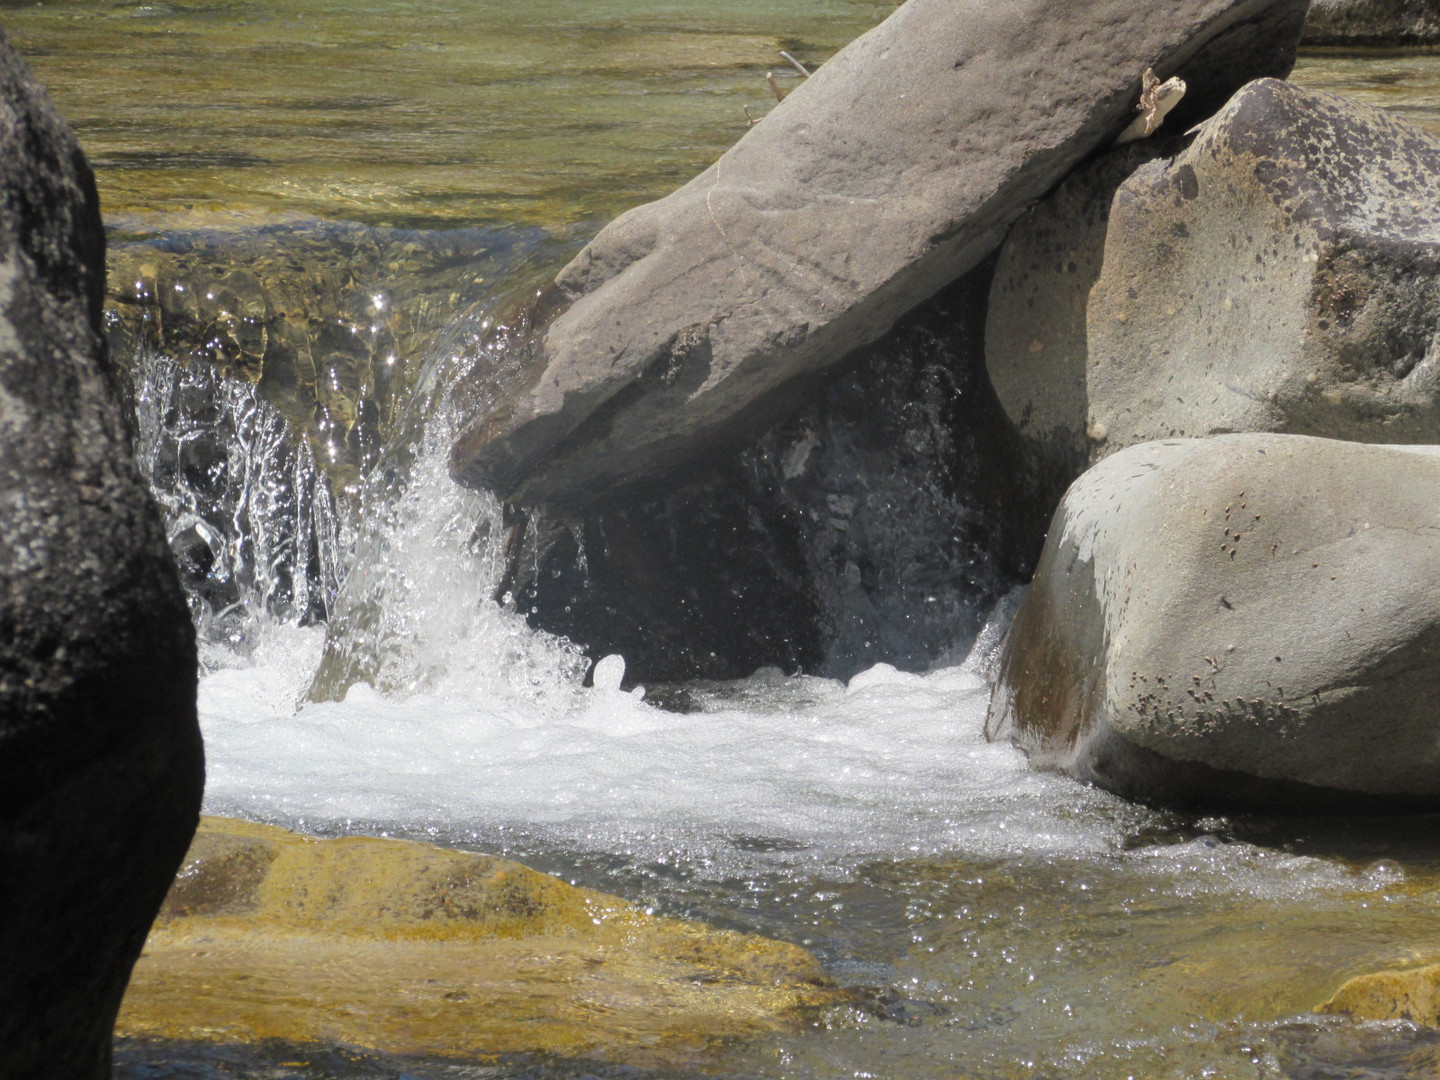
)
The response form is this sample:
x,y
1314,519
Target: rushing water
x,y
359,675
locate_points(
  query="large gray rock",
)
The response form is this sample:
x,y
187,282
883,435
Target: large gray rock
x,y
100,758
1036,350
892,171
1281,274
1373,22
1248,619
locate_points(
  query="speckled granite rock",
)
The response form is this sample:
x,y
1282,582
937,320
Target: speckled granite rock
x,y
1281,273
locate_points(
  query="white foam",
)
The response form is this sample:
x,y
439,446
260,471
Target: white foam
x,y
468,723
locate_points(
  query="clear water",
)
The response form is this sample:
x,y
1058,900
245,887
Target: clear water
x,y
996,922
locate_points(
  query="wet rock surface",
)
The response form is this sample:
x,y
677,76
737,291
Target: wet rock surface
x,y
403,948
1280,274
1412,996
331,321
100,755
839,212
1242,620
1372,22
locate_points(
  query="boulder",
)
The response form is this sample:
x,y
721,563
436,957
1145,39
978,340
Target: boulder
x,y
1280,274
100,756
416,950
897,167
1243,620
1372,22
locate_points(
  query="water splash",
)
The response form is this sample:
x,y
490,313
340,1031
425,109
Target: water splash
x,y
251,520
418,614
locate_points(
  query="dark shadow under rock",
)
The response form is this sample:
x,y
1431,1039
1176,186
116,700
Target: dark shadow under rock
x,y
878,523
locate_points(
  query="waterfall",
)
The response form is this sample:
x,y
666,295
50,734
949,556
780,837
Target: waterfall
x,y
251,520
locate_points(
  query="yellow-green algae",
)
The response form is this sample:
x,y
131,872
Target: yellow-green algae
x,y
411,949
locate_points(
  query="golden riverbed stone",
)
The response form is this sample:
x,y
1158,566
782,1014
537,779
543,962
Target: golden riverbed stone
x,y
1412,995
411,949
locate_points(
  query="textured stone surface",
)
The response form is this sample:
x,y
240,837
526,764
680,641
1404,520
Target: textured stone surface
x,y
1281,274
1373,22
100,758
413,949
1036,349
1244,619
892,171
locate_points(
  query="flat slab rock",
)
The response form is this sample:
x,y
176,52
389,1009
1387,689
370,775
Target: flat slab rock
x,y
1242,620
410,949
897,167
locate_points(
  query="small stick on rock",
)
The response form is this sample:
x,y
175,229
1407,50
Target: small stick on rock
x,y
774,86
795,63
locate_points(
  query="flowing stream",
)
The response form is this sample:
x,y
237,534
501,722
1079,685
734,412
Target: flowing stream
x,y
359,675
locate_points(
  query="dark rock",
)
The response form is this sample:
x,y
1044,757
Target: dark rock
x,y
1372,22
887,175
1280,274
100,755
1247,620
879,523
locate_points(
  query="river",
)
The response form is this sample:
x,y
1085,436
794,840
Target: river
x,y
996,922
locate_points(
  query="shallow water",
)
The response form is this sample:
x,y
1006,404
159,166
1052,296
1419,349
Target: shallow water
x,y
412,114
995,921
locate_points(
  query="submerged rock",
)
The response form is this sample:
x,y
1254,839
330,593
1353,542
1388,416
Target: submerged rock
x,y
412,949
1372,22
100,755
887,175
1412,996
331,321
1246,620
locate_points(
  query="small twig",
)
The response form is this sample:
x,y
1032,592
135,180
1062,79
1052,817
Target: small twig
x,y
795,63
774,86
750,121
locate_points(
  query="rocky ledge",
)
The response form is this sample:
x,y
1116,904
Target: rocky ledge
x,y
1373,22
